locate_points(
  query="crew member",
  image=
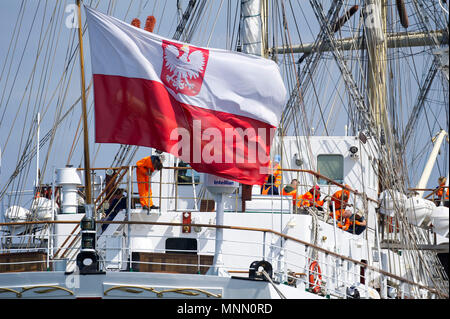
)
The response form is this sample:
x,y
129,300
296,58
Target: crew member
x,y
269,187
291,190
115,197
275,170
145,168
442,189
340,199
312,198
343,218
357,224
117,202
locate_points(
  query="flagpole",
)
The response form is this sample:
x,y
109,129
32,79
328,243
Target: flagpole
x,y
87,259
87,167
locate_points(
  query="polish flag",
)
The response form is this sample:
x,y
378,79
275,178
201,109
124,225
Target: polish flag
x,y
215,109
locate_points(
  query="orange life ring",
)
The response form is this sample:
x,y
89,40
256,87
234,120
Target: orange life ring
x,y
315,277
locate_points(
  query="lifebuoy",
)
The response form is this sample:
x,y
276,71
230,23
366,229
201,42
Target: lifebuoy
x,y
315,277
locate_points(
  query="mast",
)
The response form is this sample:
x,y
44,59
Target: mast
x,y
87,259
375,29
264,29
377,52
393,40
430,163
87,167
38,123
253,27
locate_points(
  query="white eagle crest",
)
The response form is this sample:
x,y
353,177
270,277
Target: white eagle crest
x,y
183,67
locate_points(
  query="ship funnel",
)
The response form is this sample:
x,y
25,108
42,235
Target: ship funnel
x,y
68,179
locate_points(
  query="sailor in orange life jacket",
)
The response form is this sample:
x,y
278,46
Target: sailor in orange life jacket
x,y
291,190
343,218
275,170
340,199
269,187
310,198
145,168
357,224
442,180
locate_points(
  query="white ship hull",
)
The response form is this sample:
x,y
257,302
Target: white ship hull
x,y
132,285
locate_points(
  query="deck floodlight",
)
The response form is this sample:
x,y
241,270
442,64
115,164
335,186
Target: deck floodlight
x,y
354,152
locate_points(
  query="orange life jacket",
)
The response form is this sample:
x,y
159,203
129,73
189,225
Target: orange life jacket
x,y
337,199
276,172
345,224
290,191
440,192
342,222
266,188
306,200
338,213
277,175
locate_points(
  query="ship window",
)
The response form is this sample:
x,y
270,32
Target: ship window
x,y
185,175
331,166
181,245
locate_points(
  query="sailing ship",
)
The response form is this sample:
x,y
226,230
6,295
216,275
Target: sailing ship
x,y
372,78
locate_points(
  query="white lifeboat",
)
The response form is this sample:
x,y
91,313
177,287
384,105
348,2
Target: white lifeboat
x,y
42,208
390,201
16,214
439,219
418,210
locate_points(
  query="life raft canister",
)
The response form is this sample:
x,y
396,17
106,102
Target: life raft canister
x,y
315,277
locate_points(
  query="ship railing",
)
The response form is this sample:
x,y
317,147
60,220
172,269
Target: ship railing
x,y
122,176
42,243
123,179
292,260
432,194
126,182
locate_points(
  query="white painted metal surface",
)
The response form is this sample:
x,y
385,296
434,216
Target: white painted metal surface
x,y
69,179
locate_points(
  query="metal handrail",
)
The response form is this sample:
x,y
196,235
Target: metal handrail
x,y
433,190
176,197
316,174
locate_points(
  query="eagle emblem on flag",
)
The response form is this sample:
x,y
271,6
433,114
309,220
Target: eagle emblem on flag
x,y
183,67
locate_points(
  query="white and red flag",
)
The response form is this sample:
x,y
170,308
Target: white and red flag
x,y
214,109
